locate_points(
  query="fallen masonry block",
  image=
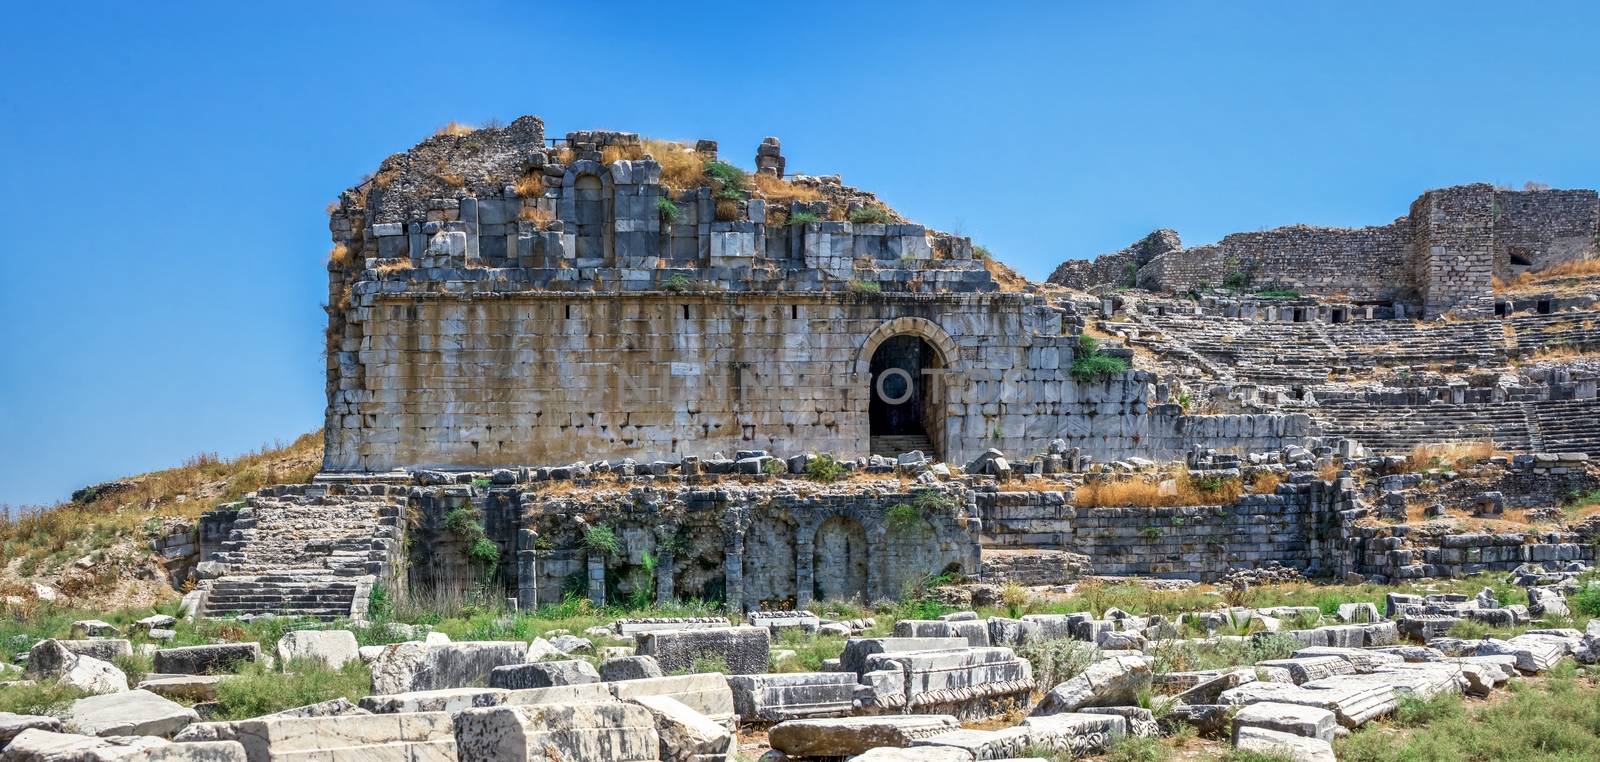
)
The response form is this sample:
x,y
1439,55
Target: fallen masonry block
x,y
1426,627
1207,690
1057,626
131,713
191,688
1012,632
12,724
609,731
104,649
707,694
629,668
1352,703
1419,680
333,648
1359,613
687,735
1280,744
543,674
969,683
1141,721
51,659
215,659
856,650
1080,735
743,649
1361,659
975,632
559,694
1304,670
40,745
1208,719
915,754
792,695
1295,719
847,736
1109,682
1003,743
419,736
413,666
777,621
441,700
630,627
1534,654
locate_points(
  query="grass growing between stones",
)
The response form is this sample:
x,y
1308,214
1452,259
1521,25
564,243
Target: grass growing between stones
x,y
46,697
809,650
1556,718
258,690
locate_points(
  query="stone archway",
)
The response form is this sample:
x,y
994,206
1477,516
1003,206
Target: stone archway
x,y
839,560
905,366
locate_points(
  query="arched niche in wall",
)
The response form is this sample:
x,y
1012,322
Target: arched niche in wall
x,y
839,560
587,207
769,569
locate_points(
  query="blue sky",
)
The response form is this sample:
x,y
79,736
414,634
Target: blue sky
x,y
165,167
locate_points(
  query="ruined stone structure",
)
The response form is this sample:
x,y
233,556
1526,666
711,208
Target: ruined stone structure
x,y
492,306
1439,257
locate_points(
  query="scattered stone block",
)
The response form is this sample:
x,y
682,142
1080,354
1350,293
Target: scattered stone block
x,y
1108,682
629,668
743,649
1295,719
215,659
1273,742
94,628
687,735
856,650
51,659
969,683
442,700
707,694
408,667
1078,735
543,674
129,713
792,695
412,737
612,731
333,648
847,736
915,754
40,745
12,724
191,688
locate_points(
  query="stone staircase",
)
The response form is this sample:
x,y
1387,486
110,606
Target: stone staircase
x,y
894,445
305,550
1547,426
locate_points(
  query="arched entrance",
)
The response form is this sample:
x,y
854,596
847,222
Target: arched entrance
x,y
907,367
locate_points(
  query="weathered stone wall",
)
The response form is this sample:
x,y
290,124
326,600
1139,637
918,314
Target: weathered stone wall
x,y
1539,228
1366,264
1118,268
1453,243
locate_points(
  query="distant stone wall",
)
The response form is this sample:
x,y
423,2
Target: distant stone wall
x,y
1118,268
1538,228
1365,264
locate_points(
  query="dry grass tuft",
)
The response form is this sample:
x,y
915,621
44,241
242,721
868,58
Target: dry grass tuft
x,y
395,266
1266,483
681,166
1449,455
340,255
446,175
779,190
1563,352
536,214
1580,268
1009,279
727,210
1330,470
1145,491
613,154
531,185
564,156
455,129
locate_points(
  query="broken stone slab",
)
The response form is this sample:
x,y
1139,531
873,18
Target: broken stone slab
x,y
1547,602
847,736
1353,701
214,659
856,650
1295,719
40,745
792,695
1012,633
687,735
543,674
412,666
629,668
130,713
974,632
94,628
1001,743
1361,659
559,694
612,731
630,627
441,700
1533,654
12,724
333,648
1109,682
191,688
104,649
1276,743
1304,670
777,621
1359,613
971,682
1057,626
915,754
743,649
1076,734
417,736
1141,721
339,707
1206,691
1208,719
51,659
707,694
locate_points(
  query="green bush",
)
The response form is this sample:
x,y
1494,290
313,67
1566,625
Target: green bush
x,y
801,218
1416,712
1278,293
1097,366
600,539
825,469
463,522
735,184
258,690
901,516
667,209
1585,601
1057,661
871,214
481,483
773,466
864,287
484,552
677,284
28,697
982,252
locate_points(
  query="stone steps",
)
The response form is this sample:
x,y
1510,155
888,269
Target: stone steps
x,y
899,444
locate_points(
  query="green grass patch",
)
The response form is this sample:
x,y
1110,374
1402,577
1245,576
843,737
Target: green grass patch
x,y
28,697
259,690
871,214
857,286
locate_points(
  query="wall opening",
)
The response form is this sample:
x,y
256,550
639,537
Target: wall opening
x,y
1340,315
1543,307
839,561
906,405
590,198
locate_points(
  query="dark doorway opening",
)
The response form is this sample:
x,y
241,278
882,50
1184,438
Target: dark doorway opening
x,y
905,411
1543,307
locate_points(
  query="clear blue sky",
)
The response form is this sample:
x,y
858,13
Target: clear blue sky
x,y
166,168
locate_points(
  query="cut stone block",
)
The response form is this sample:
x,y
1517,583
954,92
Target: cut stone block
x,y
1296,748
1081,735
856,650
334,648
792,695
847,736
743,649
629,668
612,731
12,724
216,659
1109,682
130,713
687,735
412,666
969,683
544,674
707,694
1295,719
39,745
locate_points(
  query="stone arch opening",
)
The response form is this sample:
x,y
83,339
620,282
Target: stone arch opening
x,y
589,197
769,571
905,366
839,560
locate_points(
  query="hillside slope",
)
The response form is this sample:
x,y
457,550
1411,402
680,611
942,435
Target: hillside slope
x,y
96,548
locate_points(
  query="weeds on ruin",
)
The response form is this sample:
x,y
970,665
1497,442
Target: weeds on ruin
x,y
615,153
781,191
1147,490
667,210
871,214
40,698
257,689
677,284
1266,483
455,129
857,286
801,218
728,182
1449,455
598,538
1056,661
1015,598
1089,363
1132,748
824,468
340,255
538,216
531,185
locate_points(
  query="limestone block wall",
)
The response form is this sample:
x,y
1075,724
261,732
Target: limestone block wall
x,y
1453,245
1539,228
1298,526
1367,264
